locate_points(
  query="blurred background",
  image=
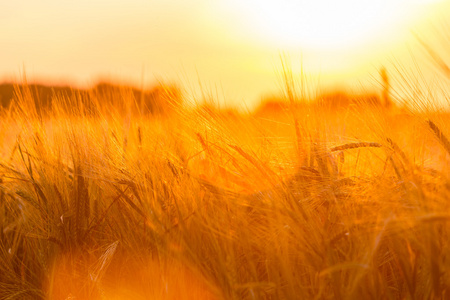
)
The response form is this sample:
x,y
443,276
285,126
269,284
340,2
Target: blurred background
x,y
229,51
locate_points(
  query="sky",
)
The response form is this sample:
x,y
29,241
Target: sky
x,y
225,50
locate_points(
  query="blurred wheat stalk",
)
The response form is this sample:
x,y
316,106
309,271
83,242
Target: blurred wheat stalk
x,y
99,201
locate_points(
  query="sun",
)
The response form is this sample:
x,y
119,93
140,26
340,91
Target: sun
x,y
324,24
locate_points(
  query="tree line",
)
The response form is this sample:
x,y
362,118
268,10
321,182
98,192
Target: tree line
x,y
159,100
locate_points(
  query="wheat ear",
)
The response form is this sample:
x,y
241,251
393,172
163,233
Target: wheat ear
x,y
441,137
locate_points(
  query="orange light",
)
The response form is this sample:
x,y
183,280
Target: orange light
x,y
81,276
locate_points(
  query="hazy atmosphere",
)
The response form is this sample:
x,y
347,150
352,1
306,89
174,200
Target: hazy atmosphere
x,y
224,150
230,49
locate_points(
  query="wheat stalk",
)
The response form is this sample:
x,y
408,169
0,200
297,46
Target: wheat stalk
x,y
355,145
441,137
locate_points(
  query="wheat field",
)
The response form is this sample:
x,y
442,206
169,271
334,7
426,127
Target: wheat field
x,y
104,200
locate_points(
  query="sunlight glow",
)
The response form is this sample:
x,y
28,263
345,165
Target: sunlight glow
x,y
323,24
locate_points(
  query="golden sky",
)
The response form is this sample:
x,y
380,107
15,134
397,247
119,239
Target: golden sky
x,y
230,48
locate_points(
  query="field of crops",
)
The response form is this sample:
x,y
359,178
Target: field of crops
x,y
111,201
